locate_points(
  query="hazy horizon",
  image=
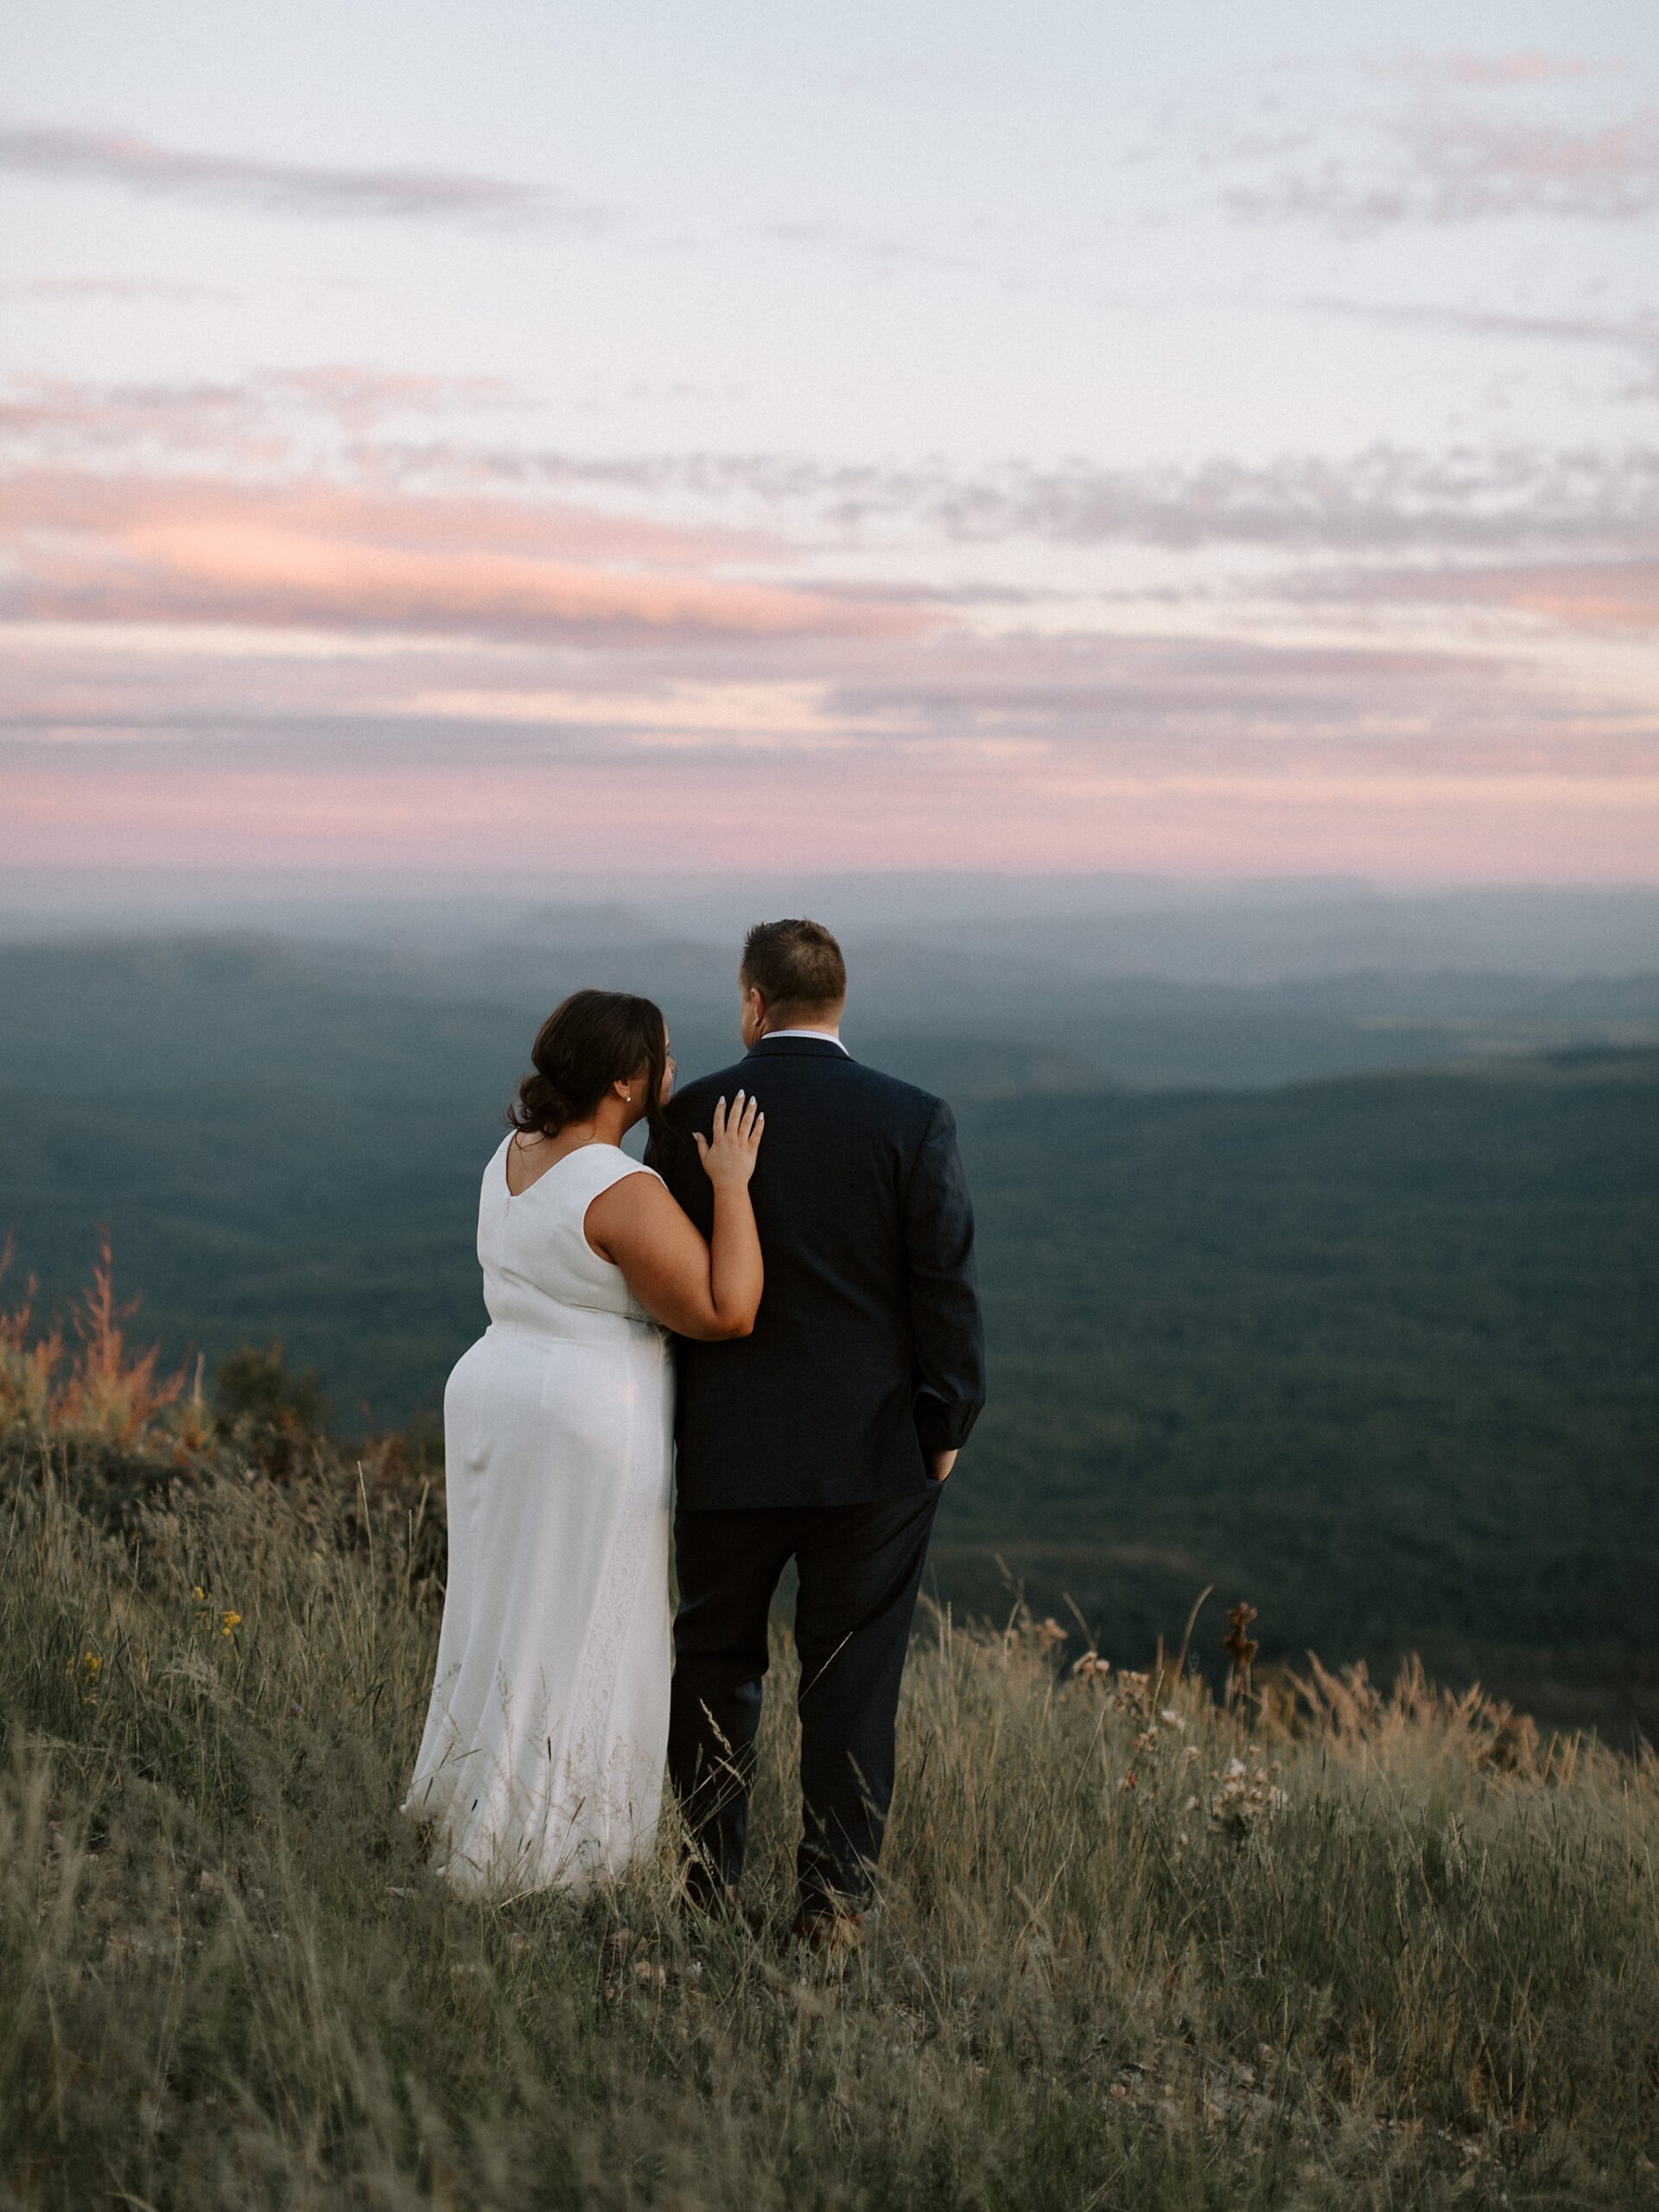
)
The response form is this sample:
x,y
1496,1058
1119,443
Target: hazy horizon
x,y
996,939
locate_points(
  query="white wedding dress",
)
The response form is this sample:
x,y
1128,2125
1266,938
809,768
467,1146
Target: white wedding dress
x,y
541,1763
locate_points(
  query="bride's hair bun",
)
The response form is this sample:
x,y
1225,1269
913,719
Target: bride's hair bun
x,y
593,1039
540,1105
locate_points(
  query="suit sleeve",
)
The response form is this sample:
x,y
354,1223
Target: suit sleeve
x,y
671,1159
946,1328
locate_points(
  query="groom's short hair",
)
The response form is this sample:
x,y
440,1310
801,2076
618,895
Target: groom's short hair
x,y
794,963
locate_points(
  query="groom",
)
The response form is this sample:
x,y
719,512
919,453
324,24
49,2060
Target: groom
x,y
826,1436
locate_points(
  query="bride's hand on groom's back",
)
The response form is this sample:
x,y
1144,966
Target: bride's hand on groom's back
x,y
706,1291
728,1154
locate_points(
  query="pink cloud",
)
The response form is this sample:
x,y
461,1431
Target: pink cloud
x,y
134,549
81,501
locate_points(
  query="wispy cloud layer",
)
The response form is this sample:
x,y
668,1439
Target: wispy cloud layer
x,y
1438,164
1453,138
1637,335
269,414
111,486
70,154
274,586
1383,498
1022,751
1517,495
1002,708
882,252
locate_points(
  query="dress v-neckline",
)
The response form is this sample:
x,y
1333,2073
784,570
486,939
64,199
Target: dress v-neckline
x,y
593,1144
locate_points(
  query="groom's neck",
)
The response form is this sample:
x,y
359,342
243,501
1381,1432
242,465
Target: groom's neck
x,y
826,1020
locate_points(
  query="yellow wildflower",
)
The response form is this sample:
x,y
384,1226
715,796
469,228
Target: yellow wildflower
x,y
229,1621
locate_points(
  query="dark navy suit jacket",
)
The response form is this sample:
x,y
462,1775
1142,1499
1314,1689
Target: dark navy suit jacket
x,y
868,1352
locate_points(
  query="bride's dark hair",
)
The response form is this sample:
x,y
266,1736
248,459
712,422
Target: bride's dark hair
x,y
589,1041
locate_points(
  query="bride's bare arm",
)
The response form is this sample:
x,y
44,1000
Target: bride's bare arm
x,y
706,1291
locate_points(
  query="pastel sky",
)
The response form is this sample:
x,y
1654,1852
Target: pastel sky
x,y
510,439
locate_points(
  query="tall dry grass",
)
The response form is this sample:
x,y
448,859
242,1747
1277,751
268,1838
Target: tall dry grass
x,y
1387,1950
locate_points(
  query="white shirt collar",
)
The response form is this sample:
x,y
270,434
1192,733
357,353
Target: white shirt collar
x,y
824,1036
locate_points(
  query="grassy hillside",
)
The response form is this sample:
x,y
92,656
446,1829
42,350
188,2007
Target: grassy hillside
x,y
1135,1950
1377,1354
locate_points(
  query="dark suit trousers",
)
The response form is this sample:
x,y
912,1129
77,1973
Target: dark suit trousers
x,y
859,1567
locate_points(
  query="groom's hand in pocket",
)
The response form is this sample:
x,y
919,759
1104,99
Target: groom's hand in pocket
x,y
939,1466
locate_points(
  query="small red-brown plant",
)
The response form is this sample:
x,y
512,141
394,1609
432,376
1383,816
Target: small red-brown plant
x,y
109,1392
27,1361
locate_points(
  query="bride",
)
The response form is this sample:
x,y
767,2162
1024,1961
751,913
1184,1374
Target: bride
x,y
542,1762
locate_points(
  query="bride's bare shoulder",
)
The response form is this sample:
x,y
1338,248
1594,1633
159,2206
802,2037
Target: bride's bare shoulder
x,y
636,1205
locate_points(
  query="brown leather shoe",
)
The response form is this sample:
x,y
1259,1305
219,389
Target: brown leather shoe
x,y
828,1931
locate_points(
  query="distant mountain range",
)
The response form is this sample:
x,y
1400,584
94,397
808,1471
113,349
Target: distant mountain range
x,y
959,1019
1339,1292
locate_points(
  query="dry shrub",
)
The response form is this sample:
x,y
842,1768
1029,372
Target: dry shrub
x,y
107,1393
